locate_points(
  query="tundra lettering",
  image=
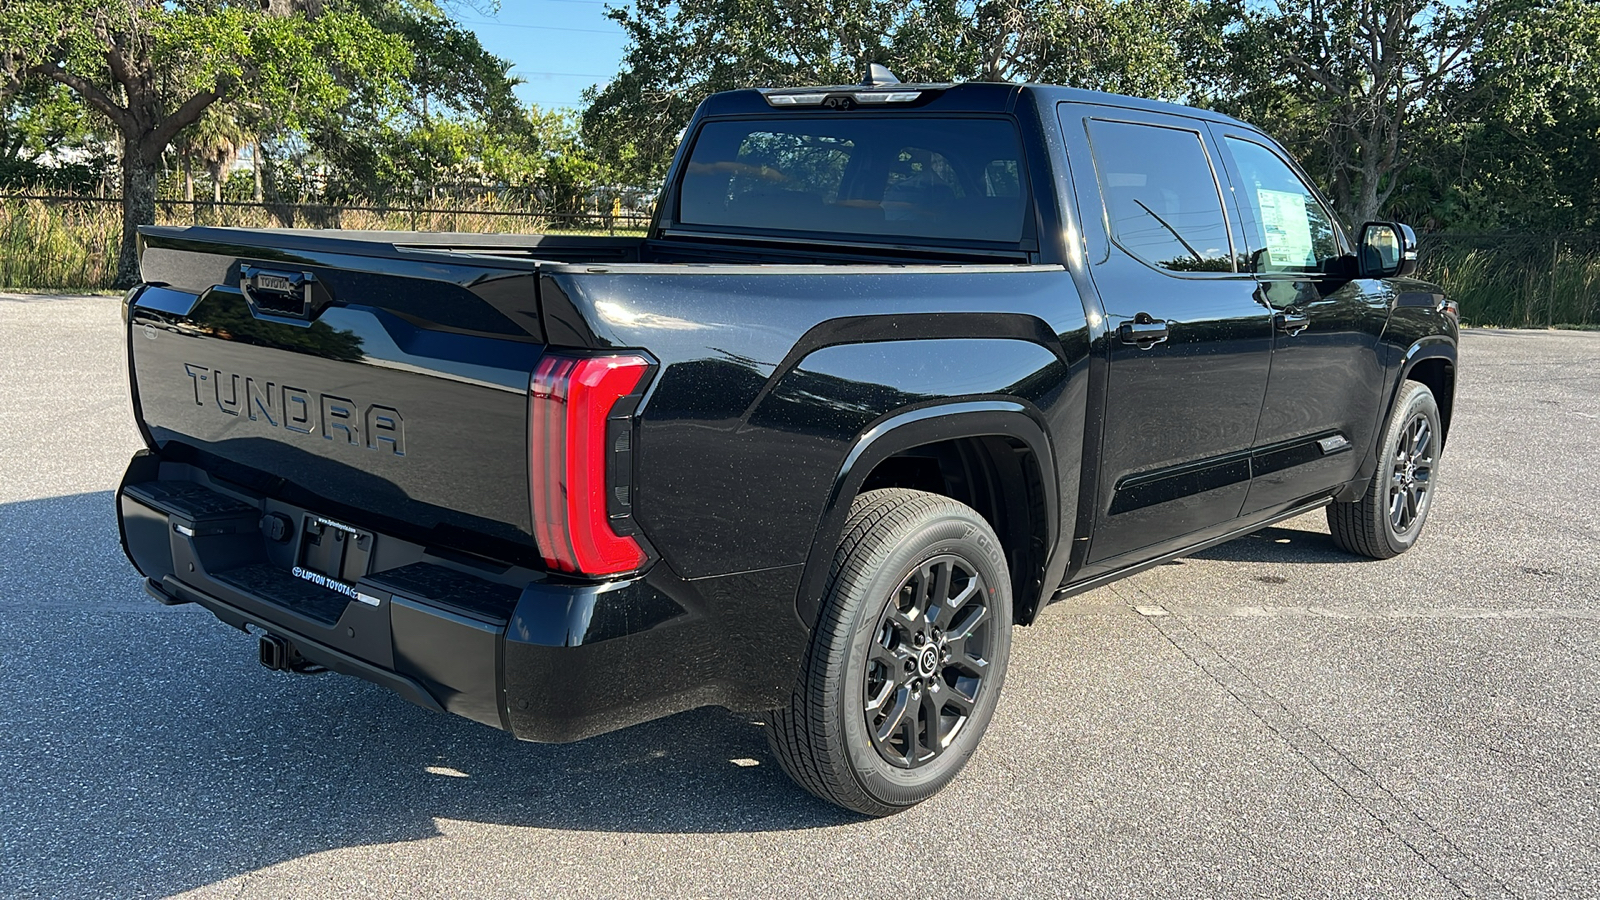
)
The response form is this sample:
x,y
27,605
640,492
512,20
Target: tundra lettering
x,y
384,426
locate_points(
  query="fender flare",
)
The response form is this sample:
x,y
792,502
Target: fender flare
x,y
905,429
1431,346
1434,347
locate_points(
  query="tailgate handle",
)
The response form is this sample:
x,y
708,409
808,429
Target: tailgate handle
x,y
277,293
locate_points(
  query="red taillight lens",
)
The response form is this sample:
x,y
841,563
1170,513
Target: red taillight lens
x,y
570,403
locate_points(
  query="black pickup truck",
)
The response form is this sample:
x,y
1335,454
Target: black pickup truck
x,y
895,366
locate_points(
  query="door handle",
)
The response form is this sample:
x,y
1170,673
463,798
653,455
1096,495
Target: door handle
x,y
1144,331
1291,323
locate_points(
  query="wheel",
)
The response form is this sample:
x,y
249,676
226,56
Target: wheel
x,y
1389,517
906,659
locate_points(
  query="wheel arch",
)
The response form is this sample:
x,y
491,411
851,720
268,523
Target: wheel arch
x,y
992,455
1433,364
1430,360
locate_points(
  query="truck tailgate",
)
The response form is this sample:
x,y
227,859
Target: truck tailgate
x,y
358,402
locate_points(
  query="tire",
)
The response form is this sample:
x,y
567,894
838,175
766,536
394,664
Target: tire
x,y
1388,518
862,731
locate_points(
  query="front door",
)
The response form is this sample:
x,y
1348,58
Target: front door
x,y
1188,342
1321,408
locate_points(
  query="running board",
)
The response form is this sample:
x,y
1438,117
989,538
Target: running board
x,y
1118,574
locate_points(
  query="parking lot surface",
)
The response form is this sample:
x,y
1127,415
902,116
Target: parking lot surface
x,y
1271,718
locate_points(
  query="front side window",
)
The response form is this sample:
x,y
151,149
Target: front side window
x,y
1288,228
875,176
1161,197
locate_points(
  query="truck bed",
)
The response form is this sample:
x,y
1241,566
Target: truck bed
x,y
399,397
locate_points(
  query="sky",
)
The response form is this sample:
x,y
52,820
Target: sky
x,y
557,47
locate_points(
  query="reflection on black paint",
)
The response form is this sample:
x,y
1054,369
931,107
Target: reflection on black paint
x,y
1190,264
813,401
363,496
708,388
223,313
460,462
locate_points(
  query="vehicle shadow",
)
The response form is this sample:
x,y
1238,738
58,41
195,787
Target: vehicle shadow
x,y
1277,544
152,755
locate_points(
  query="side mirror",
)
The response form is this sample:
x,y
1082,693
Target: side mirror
x,y
1387,249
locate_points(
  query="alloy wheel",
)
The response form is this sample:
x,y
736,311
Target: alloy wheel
x,y
928,661
1411,482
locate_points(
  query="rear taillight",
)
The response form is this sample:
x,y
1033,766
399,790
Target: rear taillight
x,y
578,431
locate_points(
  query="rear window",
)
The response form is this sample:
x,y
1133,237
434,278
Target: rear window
x,y
883,176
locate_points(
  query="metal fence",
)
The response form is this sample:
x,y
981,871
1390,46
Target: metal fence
x,y
70,243
1517,280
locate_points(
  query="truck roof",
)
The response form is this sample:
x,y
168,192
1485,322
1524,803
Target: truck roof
x,y
985,96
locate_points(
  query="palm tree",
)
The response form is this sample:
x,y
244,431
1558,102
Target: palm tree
x,y
214,141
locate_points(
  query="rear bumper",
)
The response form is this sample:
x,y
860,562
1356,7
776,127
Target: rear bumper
x,y
546,659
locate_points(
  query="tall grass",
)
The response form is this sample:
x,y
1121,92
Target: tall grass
x,y
1519,281
71,244
58,246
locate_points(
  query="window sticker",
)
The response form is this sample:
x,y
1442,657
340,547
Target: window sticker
x,y
1286,227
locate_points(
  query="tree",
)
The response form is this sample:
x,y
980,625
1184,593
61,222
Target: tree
x,y
48,139
1139,47
1529,156
680,51
1351,84
545,159
153,68
215,141
453,95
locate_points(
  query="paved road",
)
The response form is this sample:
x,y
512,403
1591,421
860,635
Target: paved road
x,y
1271,718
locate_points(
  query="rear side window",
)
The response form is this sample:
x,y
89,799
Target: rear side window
x,y
1161,196
873,176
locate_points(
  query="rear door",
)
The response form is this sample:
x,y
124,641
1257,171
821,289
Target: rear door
x,y
1327,377
1188,341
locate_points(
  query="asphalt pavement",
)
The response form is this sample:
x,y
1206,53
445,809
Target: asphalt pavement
x,y
1271,718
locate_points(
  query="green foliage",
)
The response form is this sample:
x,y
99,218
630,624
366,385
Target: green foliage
x,y
454,108
1530,156
72,244
450,68
293,64
1518,281
50,142
1453,114
534,156
680,51
57,245
544,161
154,68
1351,85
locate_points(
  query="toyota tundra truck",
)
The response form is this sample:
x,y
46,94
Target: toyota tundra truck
x,y
894,367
